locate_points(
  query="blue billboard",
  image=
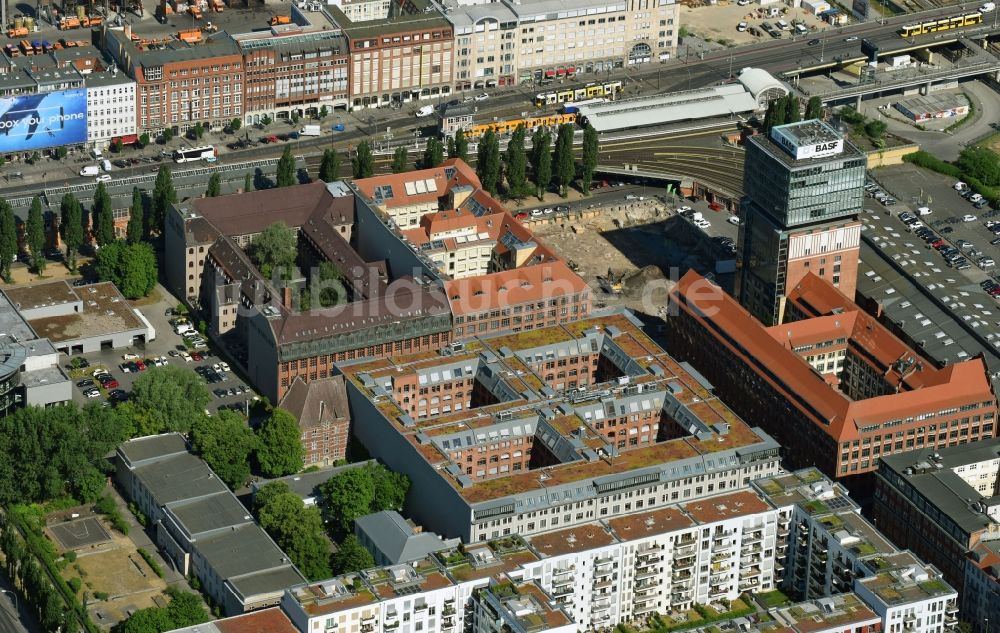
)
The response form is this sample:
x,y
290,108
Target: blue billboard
x,y
34,121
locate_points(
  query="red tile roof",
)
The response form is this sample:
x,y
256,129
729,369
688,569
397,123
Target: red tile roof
x,y
464,175
925,388
512,287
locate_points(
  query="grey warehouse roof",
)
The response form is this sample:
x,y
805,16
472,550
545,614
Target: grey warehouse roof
x,y
395,538
705,103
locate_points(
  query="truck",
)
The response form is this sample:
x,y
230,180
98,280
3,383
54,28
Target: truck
x,y
311,130
90,170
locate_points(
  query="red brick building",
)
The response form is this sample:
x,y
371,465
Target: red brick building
x,y
321,408
181,83
874,396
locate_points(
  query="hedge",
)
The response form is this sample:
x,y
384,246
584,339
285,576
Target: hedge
x,y
929,161
155,566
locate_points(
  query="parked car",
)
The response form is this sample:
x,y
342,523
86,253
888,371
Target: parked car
x,y
968,217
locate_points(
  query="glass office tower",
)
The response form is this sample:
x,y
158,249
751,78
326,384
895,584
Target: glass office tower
x,y
804,187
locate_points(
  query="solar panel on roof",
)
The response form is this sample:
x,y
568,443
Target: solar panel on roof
x,y
838,503
431,185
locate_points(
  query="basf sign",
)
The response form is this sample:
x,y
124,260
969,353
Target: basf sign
x,y
808,139
36,121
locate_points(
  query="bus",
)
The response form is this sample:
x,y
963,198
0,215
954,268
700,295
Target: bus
x,y
941,24
196,153
606,89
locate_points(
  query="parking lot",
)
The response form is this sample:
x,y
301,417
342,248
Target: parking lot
x,y
108,375
947,302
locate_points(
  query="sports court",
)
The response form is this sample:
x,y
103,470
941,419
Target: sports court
x,y
80,533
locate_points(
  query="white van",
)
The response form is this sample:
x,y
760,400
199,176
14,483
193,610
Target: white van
x,y
782,25
987,7
924,211
106,165
801,29
90,170
427,110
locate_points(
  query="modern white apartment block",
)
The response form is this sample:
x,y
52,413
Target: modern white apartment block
x,y
632,567
111,107
829,548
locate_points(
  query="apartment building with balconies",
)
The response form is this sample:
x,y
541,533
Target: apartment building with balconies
x,y
830,549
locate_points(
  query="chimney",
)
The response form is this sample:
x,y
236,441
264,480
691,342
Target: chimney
x,y
286,297
322,409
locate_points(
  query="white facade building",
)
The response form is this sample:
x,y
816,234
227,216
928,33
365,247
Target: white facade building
x,y
111,107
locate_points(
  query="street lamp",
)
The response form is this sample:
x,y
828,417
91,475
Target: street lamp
x,y
13,595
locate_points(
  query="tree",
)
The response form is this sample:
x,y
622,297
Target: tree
x,y
102,217
589,162
164,195
8,238
488,161
168,135
461,145
185,610
399,160
360,491
71,226
793,114
814,108
235,124
433,153
143,139
117,145
450,147
776,114
35,234
267,492
135,232
279,450
215,185
248,182
517,164
131,267
298,531
541,164
562,158
329,167
351,556
363,163
172,397
265,120
980,163
286,168
875,129
331,294
225,442
275,248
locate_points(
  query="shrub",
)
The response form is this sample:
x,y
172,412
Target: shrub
x,y
70,556
153,564
74,585
105,505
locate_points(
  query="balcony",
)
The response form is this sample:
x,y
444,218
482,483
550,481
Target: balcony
x,y
686,550
562,580
645,563
755,536
680,576
721,556
602,584
648,555
563,590
750,573
684,563
649,572
649,608
752,548
750,560
448,624
951,610
685,541
602,604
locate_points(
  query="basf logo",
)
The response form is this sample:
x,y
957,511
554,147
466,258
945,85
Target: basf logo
x,y
35,121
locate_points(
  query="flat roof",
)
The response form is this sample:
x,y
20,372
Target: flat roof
x,y
141,449
213,512
579,538
179,476
13,327
704,103
247,550
271,620
41,295
105,311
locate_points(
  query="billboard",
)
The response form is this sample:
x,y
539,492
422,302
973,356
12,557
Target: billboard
x,y
35,121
